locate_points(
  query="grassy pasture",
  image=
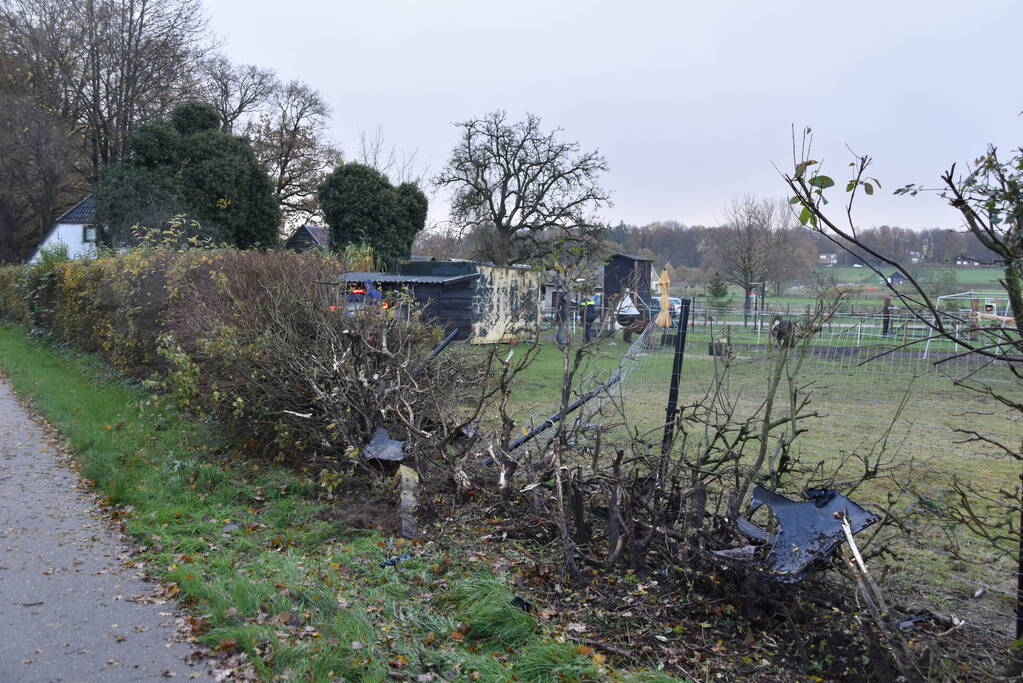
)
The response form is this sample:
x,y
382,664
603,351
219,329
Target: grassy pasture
x,y
898,408
974,275
869,291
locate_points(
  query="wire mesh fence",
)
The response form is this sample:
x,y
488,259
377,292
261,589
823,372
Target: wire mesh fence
x,y
887,396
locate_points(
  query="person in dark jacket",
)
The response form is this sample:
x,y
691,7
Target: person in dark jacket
x,y
588,310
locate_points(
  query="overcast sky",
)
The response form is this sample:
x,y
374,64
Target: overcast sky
x,y
690,102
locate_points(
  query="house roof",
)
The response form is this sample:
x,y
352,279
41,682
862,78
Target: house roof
x,y
631,256
319,234
83,213
391,278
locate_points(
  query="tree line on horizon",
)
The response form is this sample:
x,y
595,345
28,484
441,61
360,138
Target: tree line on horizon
x,y
697,254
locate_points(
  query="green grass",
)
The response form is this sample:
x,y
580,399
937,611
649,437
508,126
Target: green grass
x,y
303,596
967,275
485,605
869,291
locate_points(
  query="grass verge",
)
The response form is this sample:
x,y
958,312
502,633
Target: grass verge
x,y
274,584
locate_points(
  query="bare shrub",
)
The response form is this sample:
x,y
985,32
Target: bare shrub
x,y
257,343
255,340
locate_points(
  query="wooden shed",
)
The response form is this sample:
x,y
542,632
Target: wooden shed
x,y
486,304
446,299
503,304
627,272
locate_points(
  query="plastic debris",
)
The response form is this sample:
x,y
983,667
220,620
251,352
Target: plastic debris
x,y
395,560
383,447
808,532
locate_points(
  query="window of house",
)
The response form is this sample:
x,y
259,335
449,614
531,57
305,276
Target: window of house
x,y
88,234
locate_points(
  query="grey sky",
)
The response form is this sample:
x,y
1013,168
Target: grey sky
x,y
690,102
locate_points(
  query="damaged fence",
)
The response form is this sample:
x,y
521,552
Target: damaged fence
x,y
910,434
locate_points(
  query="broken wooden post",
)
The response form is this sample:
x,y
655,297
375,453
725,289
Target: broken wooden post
x,y
974,318
406,483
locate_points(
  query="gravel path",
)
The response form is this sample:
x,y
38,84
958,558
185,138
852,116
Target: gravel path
x,y
70,610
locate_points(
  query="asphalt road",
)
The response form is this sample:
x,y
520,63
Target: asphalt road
x,y
70,610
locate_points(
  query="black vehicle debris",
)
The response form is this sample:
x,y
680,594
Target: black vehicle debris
x,y
808,532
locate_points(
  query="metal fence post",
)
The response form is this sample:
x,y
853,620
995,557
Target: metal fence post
x,y
676,374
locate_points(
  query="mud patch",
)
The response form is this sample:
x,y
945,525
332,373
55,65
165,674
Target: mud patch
x,y
379,515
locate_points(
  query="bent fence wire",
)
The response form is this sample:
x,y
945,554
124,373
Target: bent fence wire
x,y
921,412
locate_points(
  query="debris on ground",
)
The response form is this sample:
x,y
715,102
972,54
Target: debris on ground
x,y
808,532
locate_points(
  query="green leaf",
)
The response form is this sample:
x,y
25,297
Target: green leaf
x,y
805,215
868,188
851,186
821,181
794,200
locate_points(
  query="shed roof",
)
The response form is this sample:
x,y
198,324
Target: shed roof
x,y
391,278
632,257
321,234
83,213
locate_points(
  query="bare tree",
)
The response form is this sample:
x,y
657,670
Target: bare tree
x,y
440,244
794,257
36,174
291,144
989,199
236,90
747,247
105,65
398,166
522,186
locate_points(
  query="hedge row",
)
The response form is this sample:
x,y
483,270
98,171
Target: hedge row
x,y
248,338
121,306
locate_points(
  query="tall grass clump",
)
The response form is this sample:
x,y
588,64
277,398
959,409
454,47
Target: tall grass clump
x,y
486,607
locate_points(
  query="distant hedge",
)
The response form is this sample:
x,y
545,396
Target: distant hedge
x,y
120,306
247,338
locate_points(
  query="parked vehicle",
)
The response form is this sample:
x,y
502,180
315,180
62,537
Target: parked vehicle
x,y
362,294
674,306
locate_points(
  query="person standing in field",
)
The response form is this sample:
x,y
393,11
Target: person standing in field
x,y
589,315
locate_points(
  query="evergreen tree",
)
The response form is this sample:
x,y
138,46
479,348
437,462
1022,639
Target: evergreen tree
x,y
188,165
717,290
362,207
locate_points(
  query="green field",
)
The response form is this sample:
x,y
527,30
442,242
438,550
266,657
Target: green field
x,y
868,290
967,275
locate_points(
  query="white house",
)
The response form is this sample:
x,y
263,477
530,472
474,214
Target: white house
x,y
75,228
